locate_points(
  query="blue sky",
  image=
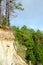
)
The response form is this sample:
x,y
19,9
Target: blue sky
x,y
32,16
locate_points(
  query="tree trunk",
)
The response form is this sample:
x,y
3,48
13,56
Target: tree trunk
x,y
0,15
7,12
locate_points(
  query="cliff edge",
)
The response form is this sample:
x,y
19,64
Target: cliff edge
x,y
8,54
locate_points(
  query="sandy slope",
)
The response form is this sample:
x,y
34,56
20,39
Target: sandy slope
x,y
8,54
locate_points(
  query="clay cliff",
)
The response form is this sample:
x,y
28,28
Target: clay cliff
x,y
8,53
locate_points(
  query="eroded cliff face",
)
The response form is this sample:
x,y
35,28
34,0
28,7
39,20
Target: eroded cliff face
x,y
8,54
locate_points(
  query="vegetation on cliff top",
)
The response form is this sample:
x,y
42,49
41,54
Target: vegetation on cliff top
x,y
30,44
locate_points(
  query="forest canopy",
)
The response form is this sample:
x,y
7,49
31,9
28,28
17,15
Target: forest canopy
x,y
33,41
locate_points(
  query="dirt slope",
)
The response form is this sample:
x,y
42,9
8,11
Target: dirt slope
x,y
8,54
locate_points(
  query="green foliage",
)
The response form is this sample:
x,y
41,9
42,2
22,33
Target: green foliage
x,y
19,6
30,56
0,1
39,53
4,21
15,5
33,41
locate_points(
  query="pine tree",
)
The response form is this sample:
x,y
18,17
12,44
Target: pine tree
x,y
0,14
11,5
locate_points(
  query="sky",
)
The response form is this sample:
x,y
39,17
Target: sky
x,y
32,16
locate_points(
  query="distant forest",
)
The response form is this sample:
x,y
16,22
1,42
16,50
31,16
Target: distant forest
x,y
33,41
